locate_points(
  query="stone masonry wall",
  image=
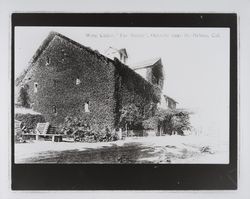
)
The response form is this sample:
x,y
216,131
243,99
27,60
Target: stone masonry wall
x,y
55,73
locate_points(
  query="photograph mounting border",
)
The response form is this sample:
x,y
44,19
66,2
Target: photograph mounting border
x,y
129,176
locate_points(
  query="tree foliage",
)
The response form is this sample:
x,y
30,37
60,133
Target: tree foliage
x,y
29,120
23,98
169,121
130,115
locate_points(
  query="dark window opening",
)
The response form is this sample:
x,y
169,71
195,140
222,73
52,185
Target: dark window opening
x,y
55,82
35,87
47,61
54,109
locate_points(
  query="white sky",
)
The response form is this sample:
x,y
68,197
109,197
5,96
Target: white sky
x,y
196,62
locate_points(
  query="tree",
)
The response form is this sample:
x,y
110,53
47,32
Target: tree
x,y
149,110
23,98
180,122
169,121
130,116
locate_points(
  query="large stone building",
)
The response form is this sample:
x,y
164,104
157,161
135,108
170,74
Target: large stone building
x,y
66,78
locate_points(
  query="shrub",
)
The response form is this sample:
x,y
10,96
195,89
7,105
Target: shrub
x,y
75,127
29,120
93,136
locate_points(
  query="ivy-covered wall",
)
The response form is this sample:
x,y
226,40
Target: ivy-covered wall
x,y
65,75
55,73
131,88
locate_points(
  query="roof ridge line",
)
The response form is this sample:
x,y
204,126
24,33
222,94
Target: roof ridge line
x,y
143,64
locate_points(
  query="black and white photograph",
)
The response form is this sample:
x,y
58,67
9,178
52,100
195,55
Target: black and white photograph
x,y
123,101
121,95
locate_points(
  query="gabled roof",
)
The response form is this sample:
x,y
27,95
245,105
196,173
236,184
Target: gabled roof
x,y
53,34
120,51
145,64
38,52
46,43
42,47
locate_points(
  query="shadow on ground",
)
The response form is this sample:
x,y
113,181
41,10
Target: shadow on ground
x,y
128,153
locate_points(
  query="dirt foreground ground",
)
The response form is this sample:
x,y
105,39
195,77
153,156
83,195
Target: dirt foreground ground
x,y
166,149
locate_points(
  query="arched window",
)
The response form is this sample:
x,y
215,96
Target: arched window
x,y
47,61
86,107
78,81
35,87
54,109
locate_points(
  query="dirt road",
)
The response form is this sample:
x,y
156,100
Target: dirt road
x,y
167,149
